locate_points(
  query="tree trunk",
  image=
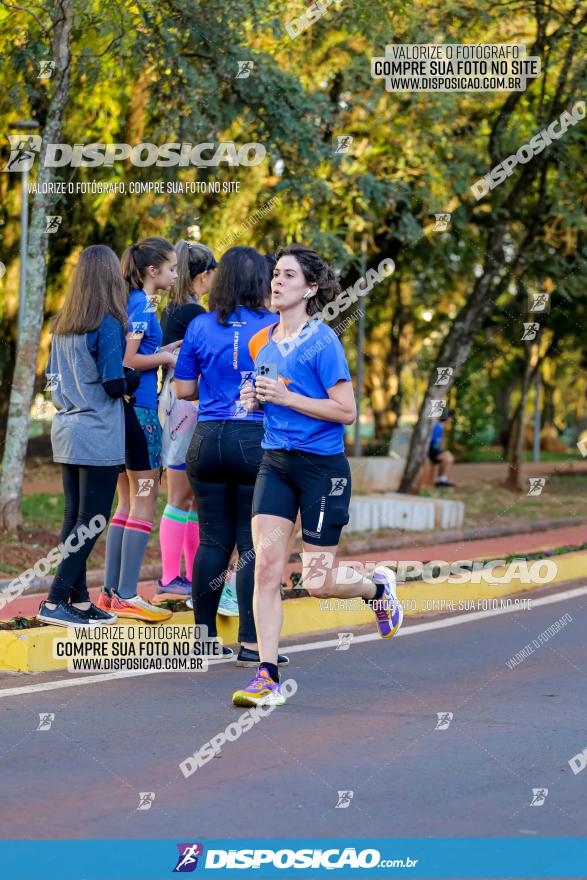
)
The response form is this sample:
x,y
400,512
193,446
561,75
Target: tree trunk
x,y
581,398
388,353
516,443
402,333
548,409
455,350
23,380
501,400
509,432
380,377
458,342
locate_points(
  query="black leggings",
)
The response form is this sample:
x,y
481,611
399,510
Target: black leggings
x,y
89,492
222,464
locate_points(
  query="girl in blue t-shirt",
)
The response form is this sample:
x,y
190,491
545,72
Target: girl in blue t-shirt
x,y
148,267
304,385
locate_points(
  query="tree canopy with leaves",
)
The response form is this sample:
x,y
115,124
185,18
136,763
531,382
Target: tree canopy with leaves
x,y
168,72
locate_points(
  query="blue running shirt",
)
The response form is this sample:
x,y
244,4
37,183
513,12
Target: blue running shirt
x,y
310,368
219,354
142,318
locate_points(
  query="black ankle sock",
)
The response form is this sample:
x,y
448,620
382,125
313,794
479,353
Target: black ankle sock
x,y
271,669
379,591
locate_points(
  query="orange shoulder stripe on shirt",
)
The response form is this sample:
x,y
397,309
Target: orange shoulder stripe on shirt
x,y
257,341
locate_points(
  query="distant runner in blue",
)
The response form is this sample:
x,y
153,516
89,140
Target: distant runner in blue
x,y
438,454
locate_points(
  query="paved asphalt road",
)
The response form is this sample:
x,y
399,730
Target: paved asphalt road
x,y
362,720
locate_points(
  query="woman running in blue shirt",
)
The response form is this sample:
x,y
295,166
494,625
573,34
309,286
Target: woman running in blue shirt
x,y
304,386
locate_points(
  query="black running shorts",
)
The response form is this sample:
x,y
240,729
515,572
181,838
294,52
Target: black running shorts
x,y
318,486
142,438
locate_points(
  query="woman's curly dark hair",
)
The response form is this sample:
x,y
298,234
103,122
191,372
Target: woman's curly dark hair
x,y
316,271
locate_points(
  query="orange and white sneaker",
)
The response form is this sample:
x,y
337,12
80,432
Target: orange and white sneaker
x,y
139,609
104,601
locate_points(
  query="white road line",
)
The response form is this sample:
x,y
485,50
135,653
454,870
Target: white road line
x,y
308,646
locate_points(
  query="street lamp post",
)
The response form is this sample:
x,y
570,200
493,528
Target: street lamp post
x,y
26,125
537,414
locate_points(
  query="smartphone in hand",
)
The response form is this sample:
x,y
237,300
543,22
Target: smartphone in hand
x,y
268,371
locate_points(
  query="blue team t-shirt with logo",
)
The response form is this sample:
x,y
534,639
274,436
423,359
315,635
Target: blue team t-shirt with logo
x,y
142,318
219,355
309,367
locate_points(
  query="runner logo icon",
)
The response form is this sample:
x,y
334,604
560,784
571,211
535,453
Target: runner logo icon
x,y
187,860
145,486
46,719
52,222
146,799
23,150
539,795
338,485
344,800
444,719
46,69
442,222
245,68
344,641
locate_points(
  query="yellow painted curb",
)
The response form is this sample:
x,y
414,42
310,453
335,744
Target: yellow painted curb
x,y
32,650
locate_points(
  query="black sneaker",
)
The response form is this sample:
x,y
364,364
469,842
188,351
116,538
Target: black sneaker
x,y
65,615
248,657
99,615
444,484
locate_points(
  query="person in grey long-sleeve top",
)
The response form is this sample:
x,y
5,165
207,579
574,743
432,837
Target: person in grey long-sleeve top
x,y
87,380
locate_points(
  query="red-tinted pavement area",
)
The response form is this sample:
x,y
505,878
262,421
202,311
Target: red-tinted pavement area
x,y
488,548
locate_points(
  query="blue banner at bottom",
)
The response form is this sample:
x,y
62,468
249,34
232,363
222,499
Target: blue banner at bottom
x,y
367,858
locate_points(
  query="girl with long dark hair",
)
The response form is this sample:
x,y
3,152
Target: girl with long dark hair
x,y
87,381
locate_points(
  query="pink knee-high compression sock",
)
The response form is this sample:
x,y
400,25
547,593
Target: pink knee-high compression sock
x,y
171,538
191,541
